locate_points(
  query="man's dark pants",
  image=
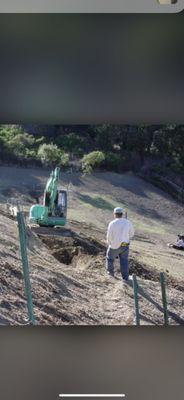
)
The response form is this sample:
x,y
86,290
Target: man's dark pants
x,y
122,252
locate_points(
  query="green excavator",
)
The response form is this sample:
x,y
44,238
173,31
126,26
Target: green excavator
x,y
53,211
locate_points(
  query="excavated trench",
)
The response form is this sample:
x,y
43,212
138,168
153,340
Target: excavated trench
x,y
68,250
72,248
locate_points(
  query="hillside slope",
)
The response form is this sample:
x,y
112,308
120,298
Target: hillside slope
x,y
68,277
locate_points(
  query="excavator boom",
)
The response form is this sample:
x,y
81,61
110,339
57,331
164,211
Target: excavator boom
x,y
54,208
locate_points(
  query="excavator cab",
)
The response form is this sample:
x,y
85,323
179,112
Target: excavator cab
x,y
53,211
61,204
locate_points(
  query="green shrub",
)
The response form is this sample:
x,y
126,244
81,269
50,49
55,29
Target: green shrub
x,y
64,159
7,132
72,143
158,169
20,144
177,167
51,155
7,135
113,161
92,160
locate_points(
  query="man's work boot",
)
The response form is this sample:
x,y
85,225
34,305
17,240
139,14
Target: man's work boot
x,y
129,280
109,273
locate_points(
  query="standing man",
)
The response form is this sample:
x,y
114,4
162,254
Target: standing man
x,y
119,233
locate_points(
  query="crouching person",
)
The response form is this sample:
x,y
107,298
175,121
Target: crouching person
x,y
179,245
119,233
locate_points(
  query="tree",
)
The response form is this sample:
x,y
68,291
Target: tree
x,y
51,155
113,161
92,160
103,136
21,144
8,132
72,143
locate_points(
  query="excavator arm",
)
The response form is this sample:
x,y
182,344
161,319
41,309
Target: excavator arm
x,y
54,208
51,191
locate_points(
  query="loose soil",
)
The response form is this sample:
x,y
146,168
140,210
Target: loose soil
x,y
67,266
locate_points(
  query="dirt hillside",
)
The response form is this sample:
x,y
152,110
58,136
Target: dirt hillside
x,y
69,282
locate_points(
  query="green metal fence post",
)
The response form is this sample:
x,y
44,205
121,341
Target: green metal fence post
x,y
136,299
164,297
25,265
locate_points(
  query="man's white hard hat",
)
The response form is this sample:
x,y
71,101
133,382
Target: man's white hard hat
x,y
118,210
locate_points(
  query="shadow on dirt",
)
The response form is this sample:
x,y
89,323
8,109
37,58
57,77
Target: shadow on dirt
x,y
97,201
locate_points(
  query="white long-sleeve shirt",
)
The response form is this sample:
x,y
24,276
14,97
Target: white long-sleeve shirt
x,y
119,230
